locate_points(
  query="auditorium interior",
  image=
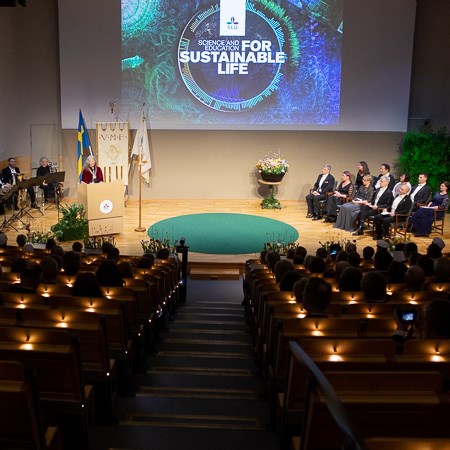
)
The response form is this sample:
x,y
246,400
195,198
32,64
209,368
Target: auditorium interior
x,y
195,350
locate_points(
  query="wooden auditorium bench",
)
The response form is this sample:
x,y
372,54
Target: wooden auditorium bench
x,y
54,357
21,425
397,397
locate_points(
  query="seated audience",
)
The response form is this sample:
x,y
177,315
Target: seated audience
x,y
3,240
434,251
339,267
30,277
125,269
113,255
350,280
50,270
316,297
18,265
437,317
300,252
163,253
86,285
288,279
396,272
51,242
77,247
282,266
373,286
108,274
442,270
21,240
272,257
71,262
317,265
299,289
354,259
415,279
427,265
146,261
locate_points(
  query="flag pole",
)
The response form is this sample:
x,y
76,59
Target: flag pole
x,y
140,228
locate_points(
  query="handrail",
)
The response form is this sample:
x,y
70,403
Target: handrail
x,y
334,405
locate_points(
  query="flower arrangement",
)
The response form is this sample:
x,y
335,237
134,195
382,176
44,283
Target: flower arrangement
x,y
96,242
336,241
272,165
154,245
40,237
394,240
280,247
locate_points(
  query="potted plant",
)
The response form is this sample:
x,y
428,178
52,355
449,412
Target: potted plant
x,y
272,168
73,224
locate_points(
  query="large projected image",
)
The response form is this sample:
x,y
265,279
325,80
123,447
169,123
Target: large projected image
x,y
233,63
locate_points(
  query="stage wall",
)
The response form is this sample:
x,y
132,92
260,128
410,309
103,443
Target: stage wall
x,y
221,164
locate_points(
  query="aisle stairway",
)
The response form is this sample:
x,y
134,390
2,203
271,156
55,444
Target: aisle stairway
x,y
200,390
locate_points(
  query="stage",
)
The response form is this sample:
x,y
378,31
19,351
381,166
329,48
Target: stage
x,y
129,242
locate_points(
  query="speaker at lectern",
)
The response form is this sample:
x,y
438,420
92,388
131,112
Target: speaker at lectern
x,y
104,206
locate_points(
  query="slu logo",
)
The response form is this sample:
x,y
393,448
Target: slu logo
x,y
232,22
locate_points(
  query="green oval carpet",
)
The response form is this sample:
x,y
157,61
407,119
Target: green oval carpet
x,y
223,233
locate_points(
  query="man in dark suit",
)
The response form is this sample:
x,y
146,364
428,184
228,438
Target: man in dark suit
x,y
384,172
325,183
421,192
402,204
10,175
383,198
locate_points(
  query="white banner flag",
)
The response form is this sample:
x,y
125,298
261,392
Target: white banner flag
x,y
141,148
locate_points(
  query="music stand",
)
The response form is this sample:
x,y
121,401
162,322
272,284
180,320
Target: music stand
x,y
55,178
14,216
25,185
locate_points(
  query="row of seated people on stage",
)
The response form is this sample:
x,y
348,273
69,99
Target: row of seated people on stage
x,y
109,272
348,205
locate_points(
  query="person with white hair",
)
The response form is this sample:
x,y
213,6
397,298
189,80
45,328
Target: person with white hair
x,y
325,183
402,204
382,199
91,172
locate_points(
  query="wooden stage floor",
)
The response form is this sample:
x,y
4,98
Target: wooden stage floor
x,y
129,242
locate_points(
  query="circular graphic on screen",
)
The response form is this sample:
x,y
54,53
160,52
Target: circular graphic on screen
x,y
231,73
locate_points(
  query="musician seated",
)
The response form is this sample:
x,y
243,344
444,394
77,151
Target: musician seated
x,y
11,175
44,169
91,172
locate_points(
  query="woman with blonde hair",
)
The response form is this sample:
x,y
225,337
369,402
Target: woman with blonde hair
x,y
349,212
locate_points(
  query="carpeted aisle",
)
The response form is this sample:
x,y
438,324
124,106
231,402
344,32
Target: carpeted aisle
x,y
200,391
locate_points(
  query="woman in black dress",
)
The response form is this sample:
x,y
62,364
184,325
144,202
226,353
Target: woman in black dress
x,y
344,190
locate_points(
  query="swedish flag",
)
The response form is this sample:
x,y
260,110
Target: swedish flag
x,y
84,143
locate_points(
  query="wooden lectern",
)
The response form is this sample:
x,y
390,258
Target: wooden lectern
x,y
104,206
